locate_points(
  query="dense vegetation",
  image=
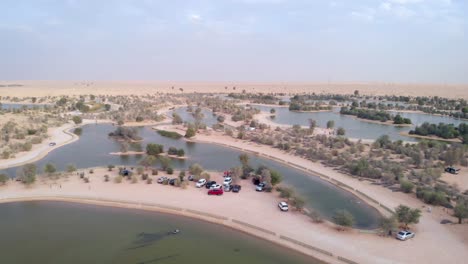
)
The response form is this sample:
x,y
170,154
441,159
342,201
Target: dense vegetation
x,y
169,134
126,133
447,131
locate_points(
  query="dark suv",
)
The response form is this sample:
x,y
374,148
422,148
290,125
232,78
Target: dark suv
x,y
208,184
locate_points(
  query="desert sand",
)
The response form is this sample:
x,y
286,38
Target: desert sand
x,y
51,88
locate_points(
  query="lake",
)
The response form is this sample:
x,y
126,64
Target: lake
x,y
94,146
58,232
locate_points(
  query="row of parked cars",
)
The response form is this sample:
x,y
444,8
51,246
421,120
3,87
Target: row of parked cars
x,y
218,189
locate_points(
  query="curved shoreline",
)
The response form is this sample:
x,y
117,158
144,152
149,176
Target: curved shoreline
x,y
452,140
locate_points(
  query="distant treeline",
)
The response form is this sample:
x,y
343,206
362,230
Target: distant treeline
x,y
374,115
447,131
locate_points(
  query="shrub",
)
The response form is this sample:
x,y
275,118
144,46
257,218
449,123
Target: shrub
x,y
140,170
154,149
169,134
110,167
154,172
77,120
170,170
285,192
3,178
118,179
144,176
343,218
71,168
106,178
406,186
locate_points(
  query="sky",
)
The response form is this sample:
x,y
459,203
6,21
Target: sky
x,y
399,41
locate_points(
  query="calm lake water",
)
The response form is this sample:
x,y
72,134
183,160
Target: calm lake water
x,y
56,232
19,105
94,146
208,117
354,127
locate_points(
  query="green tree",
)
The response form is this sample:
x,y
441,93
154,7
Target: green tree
x,y
407,215
27,173
176,119
406,186
148,161
77,120
387,224
330,124
195,169
3,178
244,160
71,168
276,177
190,132
461,211
343,218
154,149
110,167
272,111
340,131
49,168
165,162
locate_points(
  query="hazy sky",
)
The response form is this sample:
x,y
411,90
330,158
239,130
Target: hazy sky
x,y
235,40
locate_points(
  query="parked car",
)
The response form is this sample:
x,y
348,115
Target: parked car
x,y
216,186
191,177
236,188
404,235
283,206
260,187
208,184
227,180
215,192
200,183
52,144
161,179
227,188
172,181
452,170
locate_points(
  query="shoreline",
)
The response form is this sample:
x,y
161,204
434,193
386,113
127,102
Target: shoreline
x,y
387,123
183,212
452,140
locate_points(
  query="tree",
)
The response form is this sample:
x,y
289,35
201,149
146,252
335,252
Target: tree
x,y
461,211
107,107
49,168
276,177
406,186
330,124
110,167
343,218
356,92
190,132
154,149
244,160
195,169
148,161
272,111
220,119
387,224
77,120
3,178
341,131
312,125
27,173
71,168
176,119
165,162
407,215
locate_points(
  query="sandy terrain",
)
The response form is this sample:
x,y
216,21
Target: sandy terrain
x,y
45,88
431,245
460,179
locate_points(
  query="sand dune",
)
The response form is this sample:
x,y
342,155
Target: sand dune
x,y
46,88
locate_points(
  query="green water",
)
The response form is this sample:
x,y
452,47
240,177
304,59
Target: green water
x,y
56,232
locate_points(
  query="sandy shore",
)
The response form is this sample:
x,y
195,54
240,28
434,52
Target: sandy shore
x,y
431,245
55,88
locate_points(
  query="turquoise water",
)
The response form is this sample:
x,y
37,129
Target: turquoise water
x,y
58,233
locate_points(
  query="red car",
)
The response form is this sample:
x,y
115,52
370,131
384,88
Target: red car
x,y
216,192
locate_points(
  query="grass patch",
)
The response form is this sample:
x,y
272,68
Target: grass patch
x,y
169,134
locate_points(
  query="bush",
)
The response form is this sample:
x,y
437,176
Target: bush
x,y
110,167
106,178
118,179
144,176
343,218
154,172
140,170
316,217
154,149
406,186
77,120
190,132
285,192
3,178
170,170
169,134
71,168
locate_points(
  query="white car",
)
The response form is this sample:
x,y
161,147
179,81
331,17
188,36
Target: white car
x,y
260,187
161,179
283,206
404,235
200,183
227,181
215,186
